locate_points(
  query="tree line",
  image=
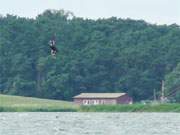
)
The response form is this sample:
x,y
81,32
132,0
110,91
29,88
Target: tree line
x,y
103,55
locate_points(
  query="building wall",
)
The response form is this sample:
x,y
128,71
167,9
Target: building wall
x,y
95,101
125,99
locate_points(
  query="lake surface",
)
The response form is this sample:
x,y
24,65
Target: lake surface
x,y
89,123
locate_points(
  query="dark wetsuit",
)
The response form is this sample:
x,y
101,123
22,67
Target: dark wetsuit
x,y
54,48
52,44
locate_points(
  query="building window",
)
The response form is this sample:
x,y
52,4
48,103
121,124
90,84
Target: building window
x,y
85,102
102,102
96,102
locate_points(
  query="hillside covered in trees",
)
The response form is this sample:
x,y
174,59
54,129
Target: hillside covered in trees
x,y
104,55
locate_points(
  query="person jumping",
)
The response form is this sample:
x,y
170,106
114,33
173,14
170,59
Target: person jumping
x,y
52,44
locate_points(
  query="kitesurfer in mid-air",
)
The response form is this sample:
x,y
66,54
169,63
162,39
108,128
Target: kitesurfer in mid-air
x,y
52,44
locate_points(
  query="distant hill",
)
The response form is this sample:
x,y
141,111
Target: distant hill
x,y
104,55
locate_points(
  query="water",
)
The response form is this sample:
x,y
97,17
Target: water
x,y
89,123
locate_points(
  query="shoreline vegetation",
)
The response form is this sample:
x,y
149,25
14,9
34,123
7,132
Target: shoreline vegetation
x,y
29,104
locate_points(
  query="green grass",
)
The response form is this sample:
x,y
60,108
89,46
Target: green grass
x,y
28,104
132,108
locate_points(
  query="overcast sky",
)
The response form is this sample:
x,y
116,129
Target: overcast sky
x,y
153,11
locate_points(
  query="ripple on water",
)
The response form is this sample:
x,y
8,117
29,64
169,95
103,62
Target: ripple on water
x,y
89,123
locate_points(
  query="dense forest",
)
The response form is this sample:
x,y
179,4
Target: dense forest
x,y
103,55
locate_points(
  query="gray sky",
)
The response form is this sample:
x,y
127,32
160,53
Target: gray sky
x,y
153,11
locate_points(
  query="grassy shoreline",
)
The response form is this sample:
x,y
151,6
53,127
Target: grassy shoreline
x,y
133,108
28,104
